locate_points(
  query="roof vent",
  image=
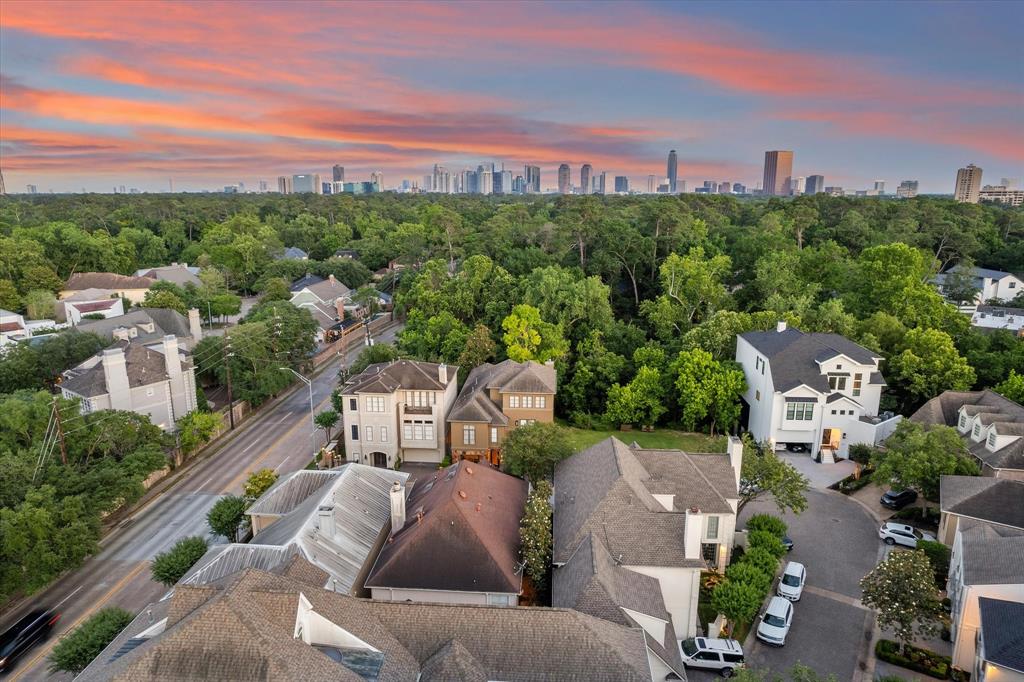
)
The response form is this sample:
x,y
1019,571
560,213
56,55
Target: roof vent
x,y
478,506
469,470
695,510
462,494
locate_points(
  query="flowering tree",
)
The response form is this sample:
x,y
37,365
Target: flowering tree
x,y
902,590
535,533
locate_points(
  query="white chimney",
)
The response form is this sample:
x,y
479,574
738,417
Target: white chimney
x,y
195,326
332,280
442,374
115,373
397,507
325,520
780,326
172,361
692,533
735,450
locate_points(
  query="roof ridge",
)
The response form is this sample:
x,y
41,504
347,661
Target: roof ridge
x,y
705,478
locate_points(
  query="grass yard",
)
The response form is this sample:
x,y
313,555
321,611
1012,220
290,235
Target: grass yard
x,y
661,439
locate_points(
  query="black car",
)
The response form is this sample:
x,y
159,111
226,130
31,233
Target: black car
x,y
787,543
25,634
898,499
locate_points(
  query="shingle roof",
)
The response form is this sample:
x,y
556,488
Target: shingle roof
x,y
409,375
992,555
294,252
980,272
178,274
794,356
244,629
609,489
106,280
1002,630
989,499
329,290
163,320
143,365
994,408
474,403
307,280
470,511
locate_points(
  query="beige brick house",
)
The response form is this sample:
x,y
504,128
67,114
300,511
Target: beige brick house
x,y
494,400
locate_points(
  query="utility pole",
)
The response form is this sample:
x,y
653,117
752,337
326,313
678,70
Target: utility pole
x,y
227,364
60,432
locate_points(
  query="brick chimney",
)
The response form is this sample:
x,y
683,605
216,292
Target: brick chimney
x,y
115,374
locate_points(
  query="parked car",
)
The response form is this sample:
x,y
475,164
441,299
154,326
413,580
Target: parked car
x,y
791,584
775,622
797,447
901,534
898,499
722,655
25,634
787,543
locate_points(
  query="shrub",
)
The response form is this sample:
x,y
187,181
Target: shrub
x,y
259,482
861,453
938,555
752,575
737,601
169,566
762,559
767,522
77,649
226,516
196,428
535,533
913,658
762,539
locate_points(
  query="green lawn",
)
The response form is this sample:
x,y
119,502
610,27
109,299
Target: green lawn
x,y
663,439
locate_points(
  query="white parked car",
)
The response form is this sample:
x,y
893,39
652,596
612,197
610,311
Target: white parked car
x,y
791,585
901,534
721,655
775,622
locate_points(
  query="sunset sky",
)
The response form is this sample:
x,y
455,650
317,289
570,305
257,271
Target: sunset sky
x,y
98,94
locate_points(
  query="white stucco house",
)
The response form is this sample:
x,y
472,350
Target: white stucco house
x,y
990,284
398,410
820,391
74,311
12,327
659,517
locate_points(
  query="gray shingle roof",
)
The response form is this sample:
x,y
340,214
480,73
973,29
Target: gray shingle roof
x,y
992,555
409,375
307,280
177,274
329,290
1002,630
474,403
995,408
295,253
106,280
143,365
470,511
244,629
608,489
163,321
794,356
989,499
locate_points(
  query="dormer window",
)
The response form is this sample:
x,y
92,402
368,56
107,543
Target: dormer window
x,y
977,431
992,439
963,421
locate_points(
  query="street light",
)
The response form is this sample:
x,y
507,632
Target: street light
x,y
312,421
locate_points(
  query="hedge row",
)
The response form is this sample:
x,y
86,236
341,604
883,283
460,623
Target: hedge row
x,y
916,659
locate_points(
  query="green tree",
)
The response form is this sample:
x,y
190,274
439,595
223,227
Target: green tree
x,y
533,450
918,455
737,601
1012,387
767,541
763,473
196,428
528,337
40,304
928,365
768,523
226,516
902,590
535,533
168,567
327,420
708,389
164,299
259,482
77,649
691,288
641,401
746,572
762,559
10,299
595,371
938,556
276,289
477,349
371,355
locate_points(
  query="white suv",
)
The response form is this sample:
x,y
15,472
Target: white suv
x,y
791,585
902,534
775,622
723,655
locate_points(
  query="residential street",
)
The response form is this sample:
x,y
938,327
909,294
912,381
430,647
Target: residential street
x,y
278,438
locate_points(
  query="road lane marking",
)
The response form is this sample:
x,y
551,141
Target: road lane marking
x,y
25,667
278,467
249,446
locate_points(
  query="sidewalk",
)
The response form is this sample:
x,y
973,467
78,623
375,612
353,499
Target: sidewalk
x,y
821,475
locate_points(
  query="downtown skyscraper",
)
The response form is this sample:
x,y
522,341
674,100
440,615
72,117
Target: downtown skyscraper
x,y
778,172
532,176
338,173
968,184
585,172
672,172
564,179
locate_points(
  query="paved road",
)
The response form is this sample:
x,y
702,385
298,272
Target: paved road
x,y
278,438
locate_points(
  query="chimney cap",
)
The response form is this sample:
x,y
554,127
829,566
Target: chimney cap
x,y
780,326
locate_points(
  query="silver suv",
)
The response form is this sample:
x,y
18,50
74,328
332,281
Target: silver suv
x,y
722,655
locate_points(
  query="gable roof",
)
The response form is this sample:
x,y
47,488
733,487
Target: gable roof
x,y
470,511
293,252
176,273
106,280
985,498
144,366
794,356
409,375
994,408
992,555
305,281
609,489
243,628
328,290
980,272
164,321
1002,630
474,403
357,498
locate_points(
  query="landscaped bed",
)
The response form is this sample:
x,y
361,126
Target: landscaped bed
x,y
853,482
660,439
914,658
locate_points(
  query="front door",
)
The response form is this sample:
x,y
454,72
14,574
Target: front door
x,y
380,460
830,438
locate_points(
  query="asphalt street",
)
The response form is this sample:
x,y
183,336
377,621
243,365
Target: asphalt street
x,y
278,438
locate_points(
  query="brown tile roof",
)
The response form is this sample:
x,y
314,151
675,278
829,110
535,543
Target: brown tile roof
x,y
474,403
10,326
93,306
409,375
470,511
106,280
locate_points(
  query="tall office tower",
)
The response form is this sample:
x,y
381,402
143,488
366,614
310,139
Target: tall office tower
x,y
32,189
815,184
968,184
622,184
532,179
3,190
263,186
326,187
306,183
652,184
485,182
778,171
338,173
672,171
723,188
681,186
907,189
505,182
739,188
709,186
284,184
585,172
564,179
441,180
428,183
378,180
519,185
796,186
880,187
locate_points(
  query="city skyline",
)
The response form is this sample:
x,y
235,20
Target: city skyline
x,y
106,94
